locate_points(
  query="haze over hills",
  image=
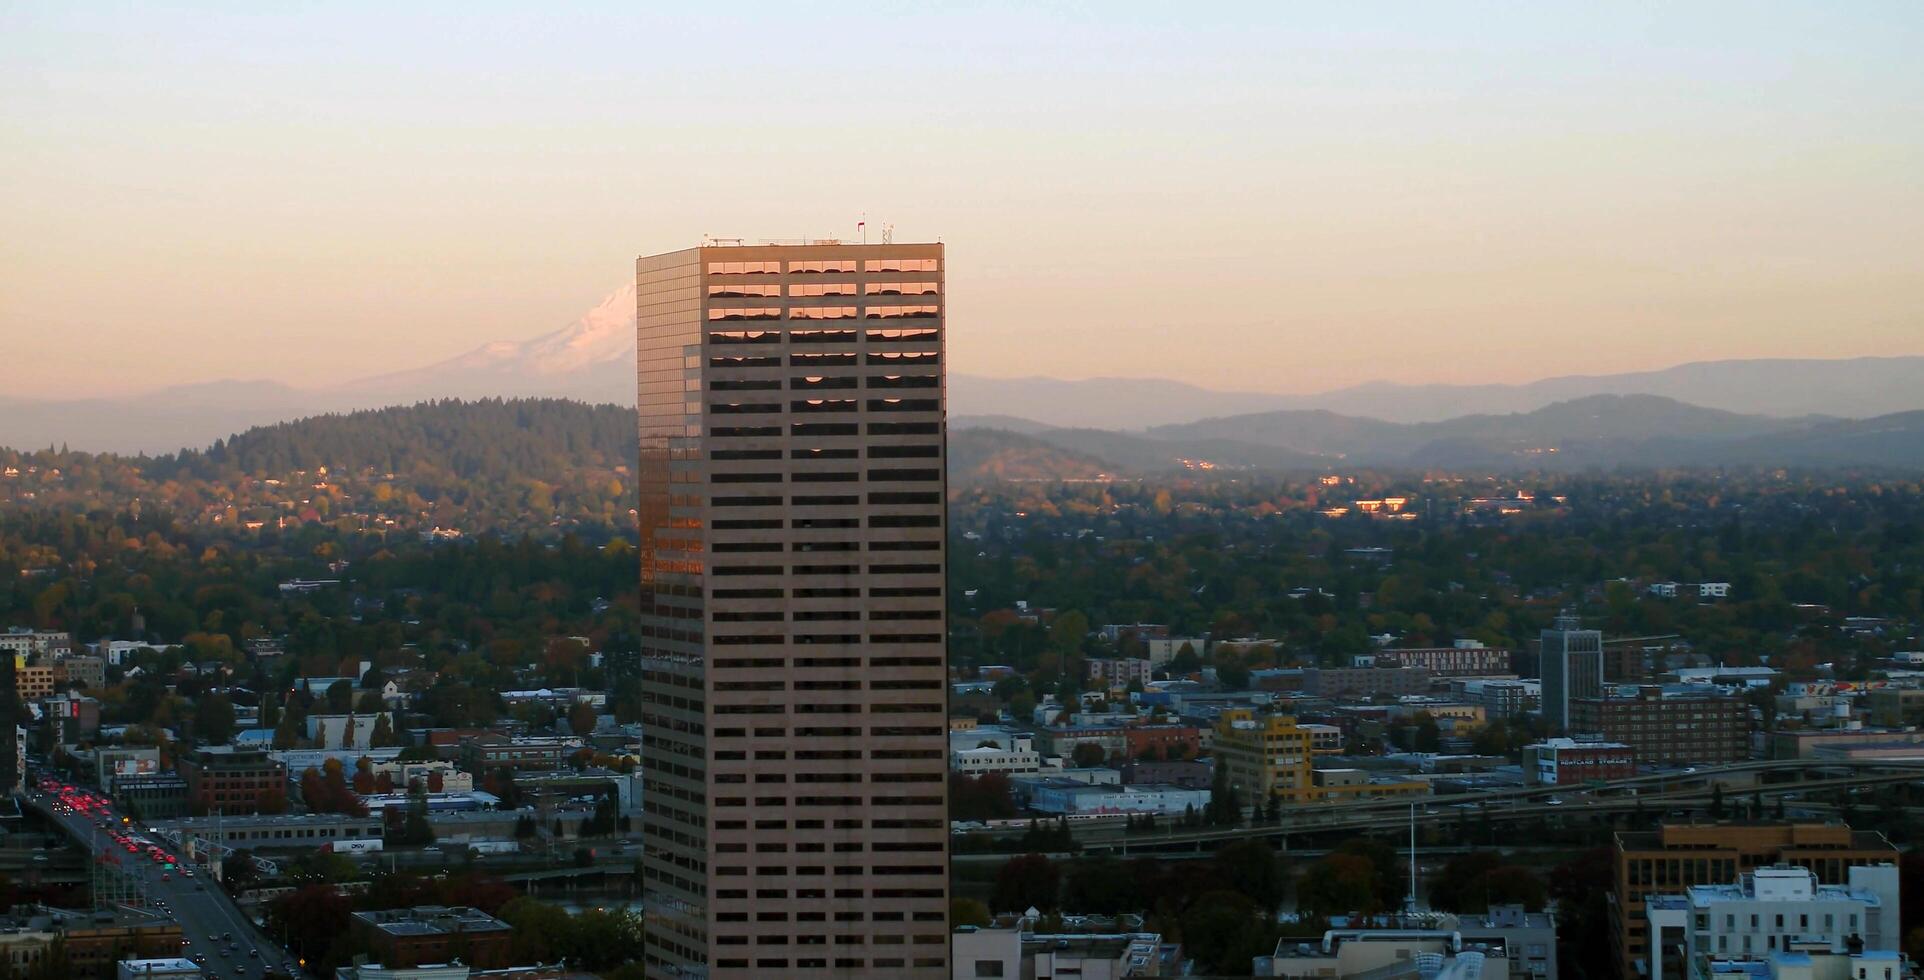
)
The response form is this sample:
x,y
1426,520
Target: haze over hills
x,y
1602,431
591,359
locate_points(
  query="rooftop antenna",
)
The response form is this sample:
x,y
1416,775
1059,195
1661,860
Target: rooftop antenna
x,y
862,226
888,234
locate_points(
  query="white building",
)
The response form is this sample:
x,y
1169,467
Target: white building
x,y
1164,649
173,968
1731,677
352,731
1878,964
1069,796
991,750
1388,954
116,652
1773,910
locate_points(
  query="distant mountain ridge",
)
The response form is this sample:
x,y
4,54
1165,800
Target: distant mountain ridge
x,y
591,359
1600,431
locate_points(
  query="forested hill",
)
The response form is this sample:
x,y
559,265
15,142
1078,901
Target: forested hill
x,y
489,466
488,438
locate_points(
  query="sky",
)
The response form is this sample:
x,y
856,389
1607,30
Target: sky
x,y
1279,197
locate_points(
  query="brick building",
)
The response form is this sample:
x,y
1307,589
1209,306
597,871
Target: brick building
x,y
234,781
1672,724
1568,762
1162,741
433,934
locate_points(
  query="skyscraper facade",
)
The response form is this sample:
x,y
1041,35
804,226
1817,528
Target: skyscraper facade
x,y
793,669
1571,667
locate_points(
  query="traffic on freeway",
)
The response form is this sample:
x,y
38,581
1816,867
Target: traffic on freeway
x,y
215,935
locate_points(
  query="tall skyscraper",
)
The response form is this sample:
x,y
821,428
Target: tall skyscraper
x,y
793,623
1571,666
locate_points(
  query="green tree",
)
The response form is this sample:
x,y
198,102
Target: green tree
x,y
967,912
383,734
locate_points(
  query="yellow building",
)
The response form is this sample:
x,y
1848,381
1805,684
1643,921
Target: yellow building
x,y
1270,756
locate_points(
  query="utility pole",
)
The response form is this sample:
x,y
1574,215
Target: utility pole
x,y
1409,904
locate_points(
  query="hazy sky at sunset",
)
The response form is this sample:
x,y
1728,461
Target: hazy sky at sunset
x,y
1283,197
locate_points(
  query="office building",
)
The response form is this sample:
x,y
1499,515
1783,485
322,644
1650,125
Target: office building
x,y
1570,660
1676,856
792,510
1773,911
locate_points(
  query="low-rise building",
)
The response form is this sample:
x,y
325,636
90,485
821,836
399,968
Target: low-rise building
x,y
164,968
1568,762
1010,948
154,796
1190,774
1349,682
92,942
433,934
1062,740
305,831
119,761
1161,741
537,752
1053,794
1457,661
1008,753
1812,743
1386,954
233,782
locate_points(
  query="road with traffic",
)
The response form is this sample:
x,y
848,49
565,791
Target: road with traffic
x,y
215,933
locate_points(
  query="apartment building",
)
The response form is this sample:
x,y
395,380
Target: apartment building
x,y
792,511
1676,856
1118,672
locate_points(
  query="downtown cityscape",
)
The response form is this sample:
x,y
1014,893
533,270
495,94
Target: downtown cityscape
x,y
1392,495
